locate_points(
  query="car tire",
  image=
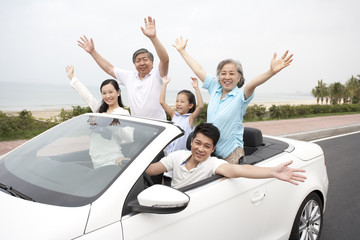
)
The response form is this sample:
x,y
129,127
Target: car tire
x,y
309,219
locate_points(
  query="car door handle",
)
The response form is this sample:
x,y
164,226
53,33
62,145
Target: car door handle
x,y
258,198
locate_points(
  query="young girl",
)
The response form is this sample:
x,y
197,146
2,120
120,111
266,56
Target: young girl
x,y
185,114
106,136
110,91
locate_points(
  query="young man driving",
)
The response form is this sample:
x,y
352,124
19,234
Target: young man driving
x,y
192,166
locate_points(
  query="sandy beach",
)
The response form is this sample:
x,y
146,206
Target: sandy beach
x,y
38,114
49,113
292,102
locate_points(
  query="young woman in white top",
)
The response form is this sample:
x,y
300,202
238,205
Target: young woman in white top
x,y
110,91
105,138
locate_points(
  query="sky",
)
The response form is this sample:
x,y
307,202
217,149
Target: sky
x,y
39,38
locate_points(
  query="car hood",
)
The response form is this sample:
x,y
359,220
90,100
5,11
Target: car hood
x,y
23,219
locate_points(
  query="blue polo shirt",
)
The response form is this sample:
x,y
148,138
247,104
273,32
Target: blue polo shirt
x,y
227,115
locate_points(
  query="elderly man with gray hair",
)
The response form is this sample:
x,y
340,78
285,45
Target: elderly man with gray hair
x,y
143,85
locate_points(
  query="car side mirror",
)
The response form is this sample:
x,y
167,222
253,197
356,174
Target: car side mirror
x,y
160,199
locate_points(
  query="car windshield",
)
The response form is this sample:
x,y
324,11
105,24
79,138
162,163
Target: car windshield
x,y
75,162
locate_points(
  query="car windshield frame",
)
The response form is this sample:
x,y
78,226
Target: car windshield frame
x,y
75,162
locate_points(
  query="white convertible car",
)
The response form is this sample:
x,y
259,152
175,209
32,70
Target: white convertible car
x,y
84,179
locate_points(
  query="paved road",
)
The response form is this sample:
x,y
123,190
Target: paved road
x,y
342,215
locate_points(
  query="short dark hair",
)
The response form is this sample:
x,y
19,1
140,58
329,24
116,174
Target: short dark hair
x,y
142,50
208,130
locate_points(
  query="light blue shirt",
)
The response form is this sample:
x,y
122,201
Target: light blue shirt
x,y
227,115
183,122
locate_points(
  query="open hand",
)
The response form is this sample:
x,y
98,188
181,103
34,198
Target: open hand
x,y
86,44
278,64
165,79
284,173
150,28
194,82
70,71
180,44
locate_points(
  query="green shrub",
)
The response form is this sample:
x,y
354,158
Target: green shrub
x,y
68,114
23,126
203,115
255,113
282,111
287,111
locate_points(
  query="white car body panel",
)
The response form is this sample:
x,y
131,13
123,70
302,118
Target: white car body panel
x,y
107,209
222,209
210,206
29,220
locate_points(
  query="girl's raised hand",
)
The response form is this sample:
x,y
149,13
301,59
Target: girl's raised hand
x,y
180,44
165,79
194,82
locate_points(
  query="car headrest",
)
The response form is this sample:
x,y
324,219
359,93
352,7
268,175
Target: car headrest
x,y
252,137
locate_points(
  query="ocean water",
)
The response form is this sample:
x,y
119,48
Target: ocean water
x,y
19,96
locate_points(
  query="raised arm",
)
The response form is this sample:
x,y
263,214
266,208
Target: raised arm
x,y
163,103
82,90
281,172
88,46
200,105
180,45
150,32
276,66
70,71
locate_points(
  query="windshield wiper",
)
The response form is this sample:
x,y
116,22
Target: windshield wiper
x,y
15,193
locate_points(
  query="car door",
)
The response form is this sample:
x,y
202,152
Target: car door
x,y
223,209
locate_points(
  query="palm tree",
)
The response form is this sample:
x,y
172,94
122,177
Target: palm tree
x,y
358,89
352,86
320,91
336,91
327,94
324,91
316,93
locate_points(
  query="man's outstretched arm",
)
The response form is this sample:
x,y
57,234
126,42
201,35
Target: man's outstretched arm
x,y
281,172
88,46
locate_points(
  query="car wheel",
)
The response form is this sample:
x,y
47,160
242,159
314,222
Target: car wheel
x,y
309,219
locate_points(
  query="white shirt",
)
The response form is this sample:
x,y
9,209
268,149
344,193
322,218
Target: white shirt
x,y
105,141
143,94
175,162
